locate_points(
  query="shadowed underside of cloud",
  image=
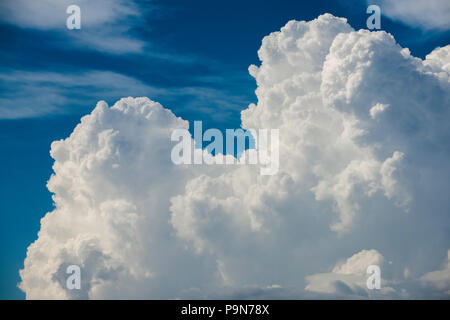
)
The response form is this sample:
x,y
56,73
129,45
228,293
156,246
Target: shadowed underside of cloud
x,y
363,180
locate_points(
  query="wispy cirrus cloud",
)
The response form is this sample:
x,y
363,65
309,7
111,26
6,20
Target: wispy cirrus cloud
x,y
108,28
105,25
426,14
28,94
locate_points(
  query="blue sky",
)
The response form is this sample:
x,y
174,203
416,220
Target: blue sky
x,y
192,57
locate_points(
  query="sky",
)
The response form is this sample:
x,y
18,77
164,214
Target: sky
x,y
193,58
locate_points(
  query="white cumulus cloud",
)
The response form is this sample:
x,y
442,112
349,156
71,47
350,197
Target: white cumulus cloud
x,y
350,277
141,227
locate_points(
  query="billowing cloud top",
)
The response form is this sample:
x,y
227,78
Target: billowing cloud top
x,y
363,180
